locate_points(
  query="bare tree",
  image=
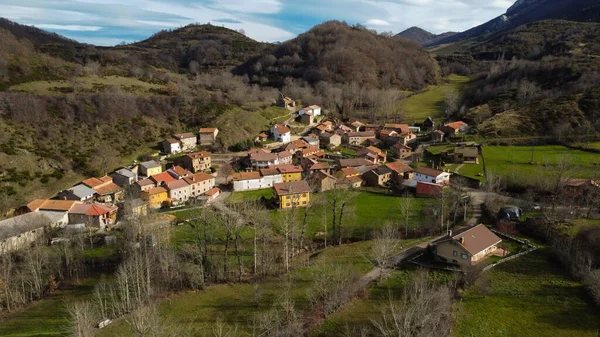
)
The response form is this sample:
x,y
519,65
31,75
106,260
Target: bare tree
x,y
405,205
386,244
592,283
83,319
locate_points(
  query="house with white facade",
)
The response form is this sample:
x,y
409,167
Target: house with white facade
x,y
170,146
179,191
187,140
314,109
430,175
281,133
247,181
200,183
261,159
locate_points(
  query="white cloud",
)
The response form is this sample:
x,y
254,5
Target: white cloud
x,y
69,27
377,22
246,6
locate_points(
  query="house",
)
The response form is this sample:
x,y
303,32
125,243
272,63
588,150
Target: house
x,y
179,172
208,136
261,138
21,231
414,129
164,177
187,140
155,196
354,162
407,138
124,177
196,162
285,102
342,129
295,146
281,133
212,194
309,151
170,146
79,192
145,184
106,190
322,181
438,136
285,157
247,181
467,246
315,110
179,191
399,128
132,209
200,183
400,171
150,168
401,151
330,140
51,205
352,175
429,189
469,155
94,215
307,118
428,124
318,166
356,126
261,159
430,175
373,142
310,140
292,194
289,172
454,129
372,154
359,138
389,136
379,176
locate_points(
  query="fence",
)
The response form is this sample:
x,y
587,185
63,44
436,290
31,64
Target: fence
x,y
523,242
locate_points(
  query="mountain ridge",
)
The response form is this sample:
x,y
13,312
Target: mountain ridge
x,y
422,36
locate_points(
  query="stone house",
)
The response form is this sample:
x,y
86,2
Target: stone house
x,y
359,138
93,215
208,136
401,151
379,176
188,141
200,183
196,162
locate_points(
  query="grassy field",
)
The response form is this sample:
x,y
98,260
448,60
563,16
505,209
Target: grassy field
x,y
530,296
370,211
236,304
91,84
431,102
48,317
238,197
514,162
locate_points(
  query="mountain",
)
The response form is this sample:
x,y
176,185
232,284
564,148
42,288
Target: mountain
x,y
527,11
335,52
422,36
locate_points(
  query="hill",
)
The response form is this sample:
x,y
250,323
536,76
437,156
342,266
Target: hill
x,y
335,52
195,47
538,79
528,11
422,36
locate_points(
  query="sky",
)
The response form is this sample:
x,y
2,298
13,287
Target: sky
x,y
109,22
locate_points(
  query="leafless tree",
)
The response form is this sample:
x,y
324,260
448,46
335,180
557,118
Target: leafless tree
x,y
405,204
339,201
592,283
83,318
386,243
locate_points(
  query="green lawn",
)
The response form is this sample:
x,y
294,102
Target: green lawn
x,y
514,162
238,197
235,304
530,296
48,317
431,103
370,211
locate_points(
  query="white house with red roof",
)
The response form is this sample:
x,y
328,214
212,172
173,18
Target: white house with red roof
x,y
430,175
281,133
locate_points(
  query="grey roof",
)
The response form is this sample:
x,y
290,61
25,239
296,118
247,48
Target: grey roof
x,y
310,139
81,191
126,173
150,164
23,224
54,216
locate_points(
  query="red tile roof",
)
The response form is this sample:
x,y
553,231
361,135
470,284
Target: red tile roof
x,y
184,135
156,190
207,130
247,176
198,155
213,191
429,189
403,128
51,205
198,177
399,167
350,171
475,239
163,177
109,188
282,129
287,168
456,125
92,210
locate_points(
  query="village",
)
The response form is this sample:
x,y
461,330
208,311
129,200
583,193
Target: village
x,y
329,155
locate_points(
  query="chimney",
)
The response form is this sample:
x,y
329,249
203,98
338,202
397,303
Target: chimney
x,y
461,240
450,232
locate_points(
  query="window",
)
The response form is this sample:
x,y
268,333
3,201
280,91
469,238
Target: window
x,y
454,253
464,256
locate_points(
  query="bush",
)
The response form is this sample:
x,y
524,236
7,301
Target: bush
x,y
592,283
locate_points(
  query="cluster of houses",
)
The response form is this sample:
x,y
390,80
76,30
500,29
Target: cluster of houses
x,y
99,202
184,142
312,159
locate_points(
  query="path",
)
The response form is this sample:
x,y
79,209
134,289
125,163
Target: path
x,y
457,169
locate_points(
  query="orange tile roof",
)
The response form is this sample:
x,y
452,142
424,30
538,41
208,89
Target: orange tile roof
x,y
456,125
198,177
207,130
92,209
180,170
184,135
269,172
282,129
246,176
109,188
198,155
399,167
350,171
164,176
287,168
51,205
402,127
213,191
156,190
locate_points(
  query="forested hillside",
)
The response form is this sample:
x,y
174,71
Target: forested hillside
x,y
335,52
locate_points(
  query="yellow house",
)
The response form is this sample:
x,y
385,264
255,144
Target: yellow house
x,y
467,246
289,172
156,196
150,168
292,194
